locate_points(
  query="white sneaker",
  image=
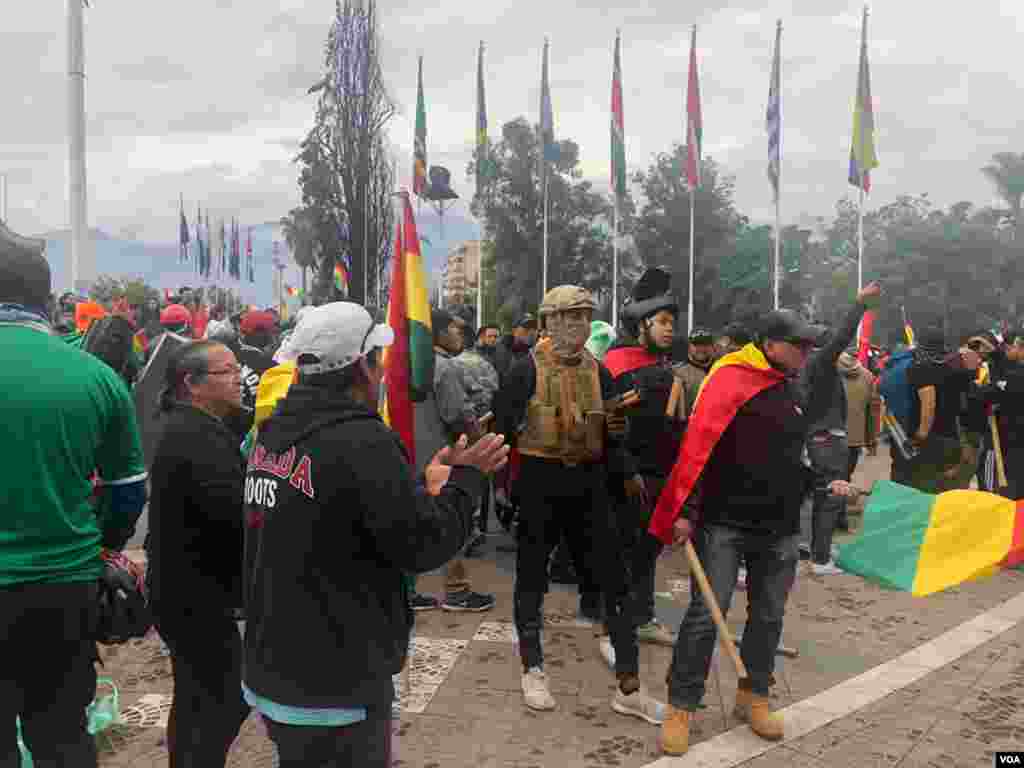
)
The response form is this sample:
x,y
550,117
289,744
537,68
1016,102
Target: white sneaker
x,y
535,690
639,704
827,569
607,651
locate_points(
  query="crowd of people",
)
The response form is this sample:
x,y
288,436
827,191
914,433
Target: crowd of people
x,y
278,497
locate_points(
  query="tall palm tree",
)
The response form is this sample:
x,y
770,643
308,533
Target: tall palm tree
x,y
300,234
1006,172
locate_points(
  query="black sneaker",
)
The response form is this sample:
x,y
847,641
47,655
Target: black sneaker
x,y
420,602
468,602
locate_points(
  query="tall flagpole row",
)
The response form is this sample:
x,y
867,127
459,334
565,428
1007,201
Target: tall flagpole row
x,y
689,305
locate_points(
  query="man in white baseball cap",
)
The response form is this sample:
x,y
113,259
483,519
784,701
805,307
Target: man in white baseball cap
x,y
334,521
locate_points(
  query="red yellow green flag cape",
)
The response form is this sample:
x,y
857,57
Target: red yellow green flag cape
x,y
729,385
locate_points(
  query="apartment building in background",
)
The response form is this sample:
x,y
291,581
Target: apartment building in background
x,y
462,272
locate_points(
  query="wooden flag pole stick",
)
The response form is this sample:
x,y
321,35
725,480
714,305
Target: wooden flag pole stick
x,y
716,612
997,448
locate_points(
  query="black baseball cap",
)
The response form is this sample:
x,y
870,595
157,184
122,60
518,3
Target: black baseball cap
x,y
526,321
787,325
701,336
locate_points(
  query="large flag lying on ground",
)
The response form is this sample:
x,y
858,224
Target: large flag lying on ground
x,y
731,382
409,361
920,543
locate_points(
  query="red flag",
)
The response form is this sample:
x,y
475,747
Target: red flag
x,y
398,408
694,123
867,325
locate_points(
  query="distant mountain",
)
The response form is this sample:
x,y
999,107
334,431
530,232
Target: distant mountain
x,y
158,264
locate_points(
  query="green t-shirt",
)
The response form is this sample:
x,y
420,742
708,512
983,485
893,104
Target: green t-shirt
x,y
64,415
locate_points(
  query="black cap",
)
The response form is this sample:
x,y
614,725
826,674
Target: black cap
x,y
701,336
24,271
787,325
526,321
932,341
737,332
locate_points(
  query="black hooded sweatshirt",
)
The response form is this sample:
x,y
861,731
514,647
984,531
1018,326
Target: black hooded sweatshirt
x,y
334,518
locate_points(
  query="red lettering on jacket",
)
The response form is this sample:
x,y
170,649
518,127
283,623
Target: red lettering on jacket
x,y
302,477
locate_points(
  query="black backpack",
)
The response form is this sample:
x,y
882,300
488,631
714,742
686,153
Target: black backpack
x,y
110,339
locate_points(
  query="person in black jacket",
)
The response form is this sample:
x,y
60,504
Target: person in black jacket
x,y
652,441
737,488
194,552
335,520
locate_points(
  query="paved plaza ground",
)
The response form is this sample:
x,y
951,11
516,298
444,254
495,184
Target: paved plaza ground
x,y
881,679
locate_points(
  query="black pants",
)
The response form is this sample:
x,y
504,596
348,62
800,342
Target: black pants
x,y
362,745
47,673
577,504
641,550
208,709
829,459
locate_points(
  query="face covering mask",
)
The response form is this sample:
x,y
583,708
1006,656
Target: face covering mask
x,y
568,335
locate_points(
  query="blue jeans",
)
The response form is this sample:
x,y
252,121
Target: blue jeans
x,y
771,568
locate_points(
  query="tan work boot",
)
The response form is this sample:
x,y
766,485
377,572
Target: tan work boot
x,y
756,711
675,732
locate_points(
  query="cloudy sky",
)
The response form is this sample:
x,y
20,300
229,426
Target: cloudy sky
x,y
207,98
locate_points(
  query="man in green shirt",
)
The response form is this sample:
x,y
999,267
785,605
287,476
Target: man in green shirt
x,y
74,482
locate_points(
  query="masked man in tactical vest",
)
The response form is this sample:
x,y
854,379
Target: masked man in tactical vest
x,y
554,400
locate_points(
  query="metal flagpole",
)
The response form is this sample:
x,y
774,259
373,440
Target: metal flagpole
x,y
778,181
544,277
778,252
689,307
615,260
480,281
77,193
366,240
860,238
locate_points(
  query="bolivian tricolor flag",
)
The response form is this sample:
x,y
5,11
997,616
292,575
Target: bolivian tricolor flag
x,y
409,361
920,543
731,382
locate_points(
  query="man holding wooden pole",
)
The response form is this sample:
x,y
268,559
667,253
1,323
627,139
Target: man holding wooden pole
x,y
1005,395
742,472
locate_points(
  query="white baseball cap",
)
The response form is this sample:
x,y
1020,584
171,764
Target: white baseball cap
x,y
337,335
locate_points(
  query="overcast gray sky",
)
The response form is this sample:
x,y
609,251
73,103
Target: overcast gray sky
x,y
206,98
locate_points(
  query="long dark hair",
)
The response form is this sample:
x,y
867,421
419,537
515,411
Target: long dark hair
x,y
191,360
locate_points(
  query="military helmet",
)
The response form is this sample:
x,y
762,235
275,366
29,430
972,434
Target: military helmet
x,y
564,298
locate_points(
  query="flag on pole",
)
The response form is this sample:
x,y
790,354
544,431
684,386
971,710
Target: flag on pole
x,y
483,147
908,331
341,278
867,327
773,116
618,128
183,235
419,169
223,244
250,267
209,246
694,122
547,117
199,240
862,147
409,361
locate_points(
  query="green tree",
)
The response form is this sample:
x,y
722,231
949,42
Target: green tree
x,y
1006,172
579,239
300,234
662,227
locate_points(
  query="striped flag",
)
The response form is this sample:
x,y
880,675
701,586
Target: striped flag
x,y
483,147
419,163
209,246
862,146
250,267
547,117
618,128
341,278
694,122
409,361
773,116
183,235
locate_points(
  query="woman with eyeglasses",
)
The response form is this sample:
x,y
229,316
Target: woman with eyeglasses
x,y
195,551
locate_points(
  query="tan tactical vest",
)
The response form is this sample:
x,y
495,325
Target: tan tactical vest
x,y
565,418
